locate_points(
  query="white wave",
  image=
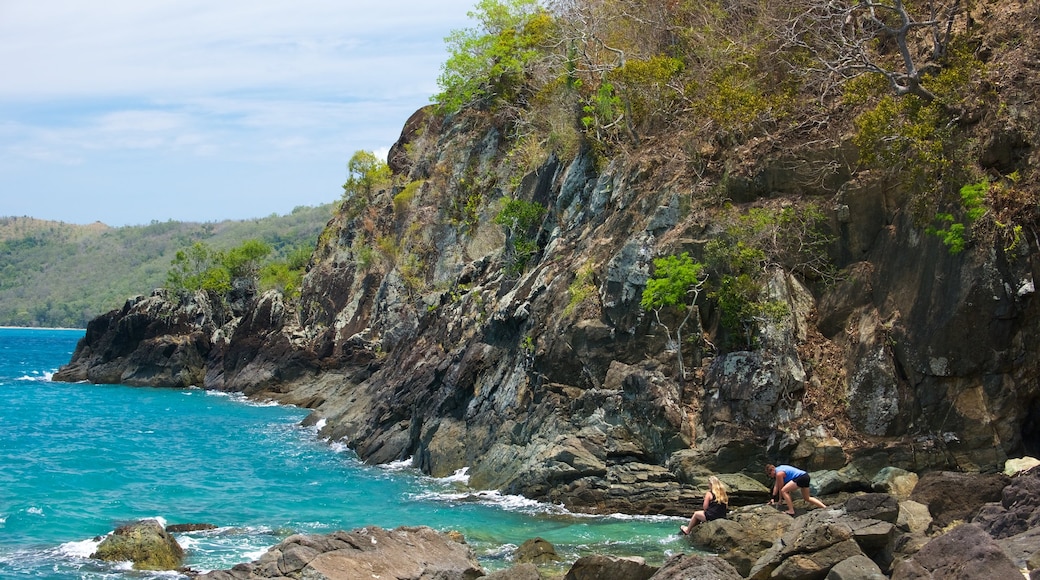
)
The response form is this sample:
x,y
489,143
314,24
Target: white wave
x,y
37,376
340,447
320,424
493,498
36,511
82,549
254,555
461,475
400,465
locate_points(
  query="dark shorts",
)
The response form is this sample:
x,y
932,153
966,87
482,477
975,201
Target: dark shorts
x,y
715,511
802,480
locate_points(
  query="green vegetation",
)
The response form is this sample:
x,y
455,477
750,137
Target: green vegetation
x,y
953,231
676,284
63,275
739,260
489,63
581,289
520,218
366,174
200,267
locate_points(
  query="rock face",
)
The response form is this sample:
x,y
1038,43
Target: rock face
x,y
400,554
145,543
965,553
418,335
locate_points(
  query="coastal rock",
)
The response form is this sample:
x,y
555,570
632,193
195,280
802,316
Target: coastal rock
x,y
954,496
162,340
600,567
856,568
913,517
550,379
1018,509
895,481
536,551
965,553
145,543
519,572
404,553
743,536
684,566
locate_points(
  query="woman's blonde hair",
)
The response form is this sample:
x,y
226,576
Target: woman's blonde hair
x,y
718,489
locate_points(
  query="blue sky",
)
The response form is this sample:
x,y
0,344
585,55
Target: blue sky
x,y
133,111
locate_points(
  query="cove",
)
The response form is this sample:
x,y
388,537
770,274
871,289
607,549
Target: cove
x,y
79,459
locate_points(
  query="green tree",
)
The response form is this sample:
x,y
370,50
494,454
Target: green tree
x,y
198,267
675,285
244,261
490,61
366,173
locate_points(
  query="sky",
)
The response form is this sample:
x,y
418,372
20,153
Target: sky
x,y
133,111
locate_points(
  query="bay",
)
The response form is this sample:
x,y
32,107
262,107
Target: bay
x,y
77,460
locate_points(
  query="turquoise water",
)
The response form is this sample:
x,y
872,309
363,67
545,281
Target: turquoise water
x,y
76,460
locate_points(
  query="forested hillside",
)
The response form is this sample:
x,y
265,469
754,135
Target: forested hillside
x,y
55,274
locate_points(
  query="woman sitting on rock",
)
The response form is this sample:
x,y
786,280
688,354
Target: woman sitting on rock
x,y
716,504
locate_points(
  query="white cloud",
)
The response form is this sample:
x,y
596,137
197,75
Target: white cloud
x,y
233,84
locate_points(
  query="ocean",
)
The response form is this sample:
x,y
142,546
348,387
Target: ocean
x,y
77,460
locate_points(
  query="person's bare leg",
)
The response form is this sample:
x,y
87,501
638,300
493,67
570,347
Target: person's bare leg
x,y
698,517
785,492
811,499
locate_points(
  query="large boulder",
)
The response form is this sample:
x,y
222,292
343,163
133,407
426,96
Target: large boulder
x,y
600,567
965,553
145,543
684,566
742,537
952,496
1018,509
536,551
856,568
398,554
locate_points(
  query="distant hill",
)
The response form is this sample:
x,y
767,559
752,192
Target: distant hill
x,y
54,274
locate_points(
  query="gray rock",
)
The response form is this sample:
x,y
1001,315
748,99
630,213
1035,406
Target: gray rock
x,y
913,517
687,566
815,564
398,554
1018,509
954,496
145,543
526,571
536,551
856,568
964,553
599,567
894,481
877,506
743,536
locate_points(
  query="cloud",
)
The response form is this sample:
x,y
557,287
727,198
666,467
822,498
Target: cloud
x,y
166,83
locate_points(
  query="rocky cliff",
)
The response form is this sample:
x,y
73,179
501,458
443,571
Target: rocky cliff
x,y
421,333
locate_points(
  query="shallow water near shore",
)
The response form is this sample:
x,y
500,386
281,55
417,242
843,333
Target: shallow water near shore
x,y
77,460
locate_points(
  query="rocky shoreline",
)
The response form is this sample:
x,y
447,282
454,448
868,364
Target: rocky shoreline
x,y
949,526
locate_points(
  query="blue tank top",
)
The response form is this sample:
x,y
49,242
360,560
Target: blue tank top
x,y
790,472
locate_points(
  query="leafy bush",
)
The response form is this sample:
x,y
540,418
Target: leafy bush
x,y
366,173
953,231
519,217
490,62
675,285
